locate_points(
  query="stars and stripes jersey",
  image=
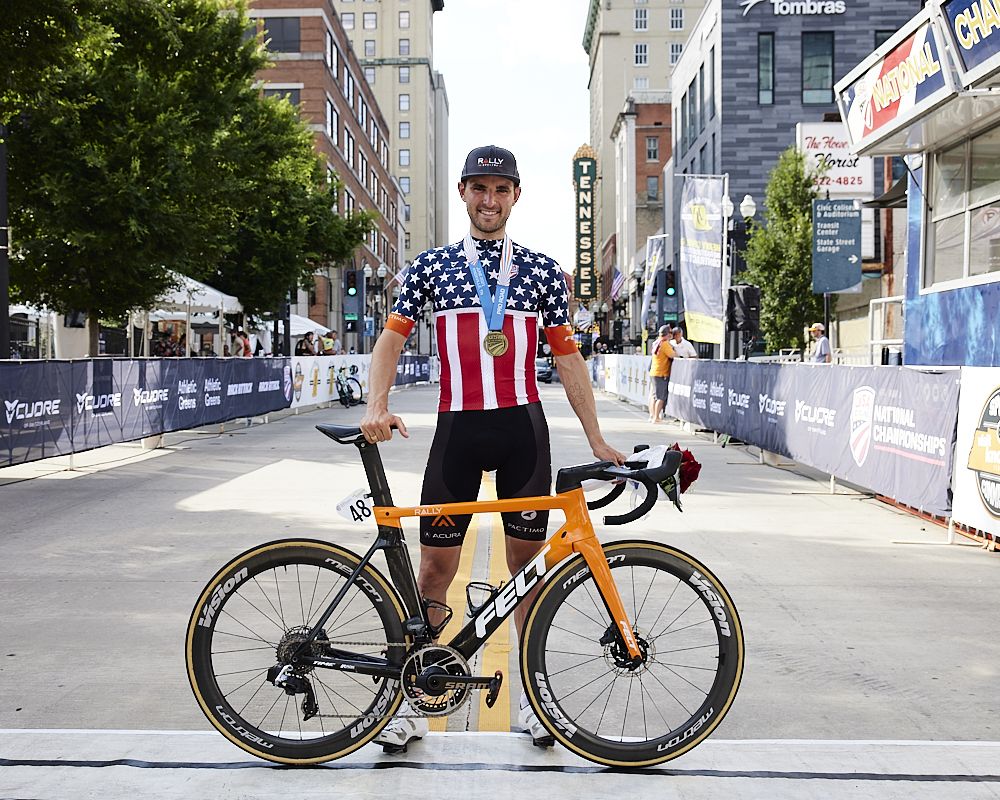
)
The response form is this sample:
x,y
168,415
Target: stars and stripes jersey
x,y
471,379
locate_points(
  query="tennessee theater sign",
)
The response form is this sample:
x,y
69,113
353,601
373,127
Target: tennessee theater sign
x,y
585,180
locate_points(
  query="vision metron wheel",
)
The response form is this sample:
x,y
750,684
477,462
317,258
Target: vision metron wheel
x,y
577,676
255,612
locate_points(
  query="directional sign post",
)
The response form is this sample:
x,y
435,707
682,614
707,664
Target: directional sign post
x,y
836,256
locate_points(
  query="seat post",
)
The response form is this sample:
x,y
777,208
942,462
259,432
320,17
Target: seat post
x,y
372,462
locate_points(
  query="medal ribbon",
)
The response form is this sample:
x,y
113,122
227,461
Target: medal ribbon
x,y
493,307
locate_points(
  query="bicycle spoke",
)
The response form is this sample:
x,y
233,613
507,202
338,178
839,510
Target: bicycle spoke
x,y
576,666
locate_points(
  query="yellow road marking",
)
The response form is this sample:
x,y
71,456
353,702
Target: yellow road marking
x,y
496,653
456,599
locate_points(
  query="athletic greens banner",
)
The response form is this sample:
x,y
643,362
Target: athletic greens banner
x,y
52,408
701,257
888,429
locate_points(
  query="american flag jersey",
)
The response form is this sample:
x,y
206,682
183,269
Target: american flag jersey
x,y
471,379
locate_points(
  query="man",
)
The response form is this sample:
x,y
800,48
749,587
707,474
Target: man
x,y
822,354
326,344
306,346
487,293
663,354
682,347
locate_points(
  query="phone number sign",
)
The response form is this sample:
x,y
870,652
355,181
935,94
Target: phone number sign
x,y
828,154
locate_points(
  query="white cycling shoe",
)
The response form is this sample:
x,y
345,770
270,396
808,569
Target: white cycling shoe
x,y
402,730
526,718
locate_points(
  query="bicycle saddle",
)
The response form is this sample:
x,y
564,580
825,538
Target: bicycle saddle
x,y
342,434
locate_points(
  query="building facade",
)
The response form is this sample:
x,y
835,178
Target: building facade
x,y
394,44
751,71
632,46
316,69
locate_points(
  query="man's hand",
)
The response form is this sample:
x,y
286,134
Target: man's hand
x,y
377,425
605,452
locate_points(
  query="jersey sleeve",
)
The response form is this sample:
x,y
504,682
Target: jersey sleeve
x,y
413,296
554,302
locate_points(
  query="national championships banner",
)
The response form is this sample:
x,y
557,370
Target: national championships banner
x,y
891,430
701,257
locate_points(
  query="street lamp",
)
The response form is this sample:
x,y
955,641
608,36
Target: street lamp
x,y
748,208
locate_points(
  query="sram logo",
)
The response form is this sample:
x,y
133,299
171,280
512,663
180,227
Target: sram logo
x,y
513,591
223,589
713,600
554,712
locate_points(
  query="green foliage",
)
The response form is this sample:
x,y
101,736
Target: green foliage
x,y
779,255
152,152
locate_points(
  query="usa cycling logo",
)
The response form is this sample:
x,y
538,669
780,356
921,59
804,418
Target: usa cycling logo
x,y
862,423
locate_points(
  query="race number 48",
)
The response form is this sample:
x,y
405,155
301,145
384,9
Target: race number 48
x,y
356,507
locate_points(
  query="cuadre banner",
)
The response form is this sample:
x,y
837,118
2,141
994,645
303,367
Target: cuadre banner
x,y
890,430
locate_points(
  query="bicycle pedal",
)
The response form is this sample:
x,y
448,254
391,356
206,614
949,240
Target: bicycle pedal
x,y
545,742
494,689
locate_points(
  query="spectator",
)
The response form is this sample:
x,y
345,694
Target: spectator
x,y
663,355
822,354
306,346
682,347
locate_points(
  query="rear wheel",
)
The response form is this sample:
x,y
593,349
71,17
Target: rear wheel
x,y
577,676
255,612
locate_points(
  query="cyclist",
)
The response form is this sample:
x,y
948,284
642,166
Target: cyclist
x,y
486,293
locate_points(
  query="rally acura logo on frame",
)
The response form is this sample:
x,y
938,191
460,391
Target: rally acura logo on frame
x,y
984,457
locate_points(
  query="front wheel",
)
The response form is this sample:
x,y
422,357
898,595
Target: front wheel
x,y
255,613
577,676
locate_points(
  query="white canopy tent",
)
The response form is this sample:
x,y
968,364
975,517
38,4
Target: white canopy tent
x,y
191,297
302,325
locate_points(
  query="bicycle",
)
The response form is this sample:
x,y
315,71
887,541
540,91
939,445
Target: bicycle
x,y
348,388
300,651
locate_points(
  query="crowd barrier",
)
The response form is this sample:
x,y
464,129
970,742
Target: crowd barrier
x,y
889,429
56,408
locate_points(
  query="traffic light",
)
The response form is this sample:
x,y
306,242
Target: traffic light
x,y
671,282
351,283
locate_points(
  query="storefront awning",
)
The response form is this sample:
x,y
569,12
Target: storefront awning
x,y
973,28
884,100
895,197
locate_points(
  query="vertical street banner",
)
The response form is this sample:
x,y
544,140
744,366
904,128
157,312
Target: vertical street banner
x,y
585,182
977,452
655,253
701,257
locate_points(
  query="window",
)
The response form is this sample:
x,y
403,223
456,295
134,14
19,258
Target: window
x,y
406,218
404,47
406,236
404,19
291,95
640,82
404,74
881,37
332,122
701,96
676,48
282,34
369,48
682,134
710,87
652,148
765,69
347,20
404,184
370,75
640,54
677,19
362,168
404,130
641,22
328,53
404,102
348,85
817,68
348,203
404,157
349,148
652,187
963,237
693,102
370,20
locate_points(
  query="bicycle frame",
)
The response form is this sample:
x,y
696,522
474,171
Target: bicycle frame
x,y
575,536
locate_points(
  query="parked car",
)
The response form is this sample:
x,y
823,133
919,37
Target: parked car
x,y
543,370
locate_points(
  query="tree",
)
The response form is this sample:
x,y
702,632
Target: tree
x,y
779,255
285,223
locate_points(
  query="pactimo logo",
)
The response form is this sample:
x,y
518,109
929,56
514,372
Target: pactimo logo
x,y
31,410
817,414
97,402
770,405
786,8
148,397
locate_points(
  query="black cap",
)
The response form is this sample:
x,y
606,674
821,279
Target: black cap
x,y
491,160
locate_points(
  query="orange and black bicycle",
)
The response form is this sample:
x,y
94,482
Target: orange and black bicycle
x,y
300,651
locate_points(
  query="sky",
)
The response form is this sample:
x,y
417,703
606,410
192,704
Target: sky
x,y
516,75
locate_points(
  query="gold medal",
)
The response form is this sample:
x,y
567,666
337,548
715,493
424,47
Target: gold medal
x,y
496,343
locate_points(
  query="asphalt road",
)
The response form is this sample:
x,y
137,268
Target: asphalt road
x,y
852,636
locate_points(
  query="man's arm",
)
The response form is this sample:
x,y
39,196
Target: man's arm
x,y
575,379
381,375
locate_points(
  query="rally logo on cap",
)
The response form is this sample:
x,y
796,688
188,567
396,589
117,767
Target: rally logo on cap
x,y
490,162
